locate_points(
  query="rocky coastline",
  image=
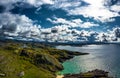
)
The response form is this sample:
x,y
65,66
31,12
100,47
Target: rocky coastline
x,y
90,74
24,59
34,60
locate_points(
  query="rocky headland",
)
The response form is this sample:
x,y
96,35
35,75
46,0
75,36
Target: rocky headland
x,y
90,74
31,60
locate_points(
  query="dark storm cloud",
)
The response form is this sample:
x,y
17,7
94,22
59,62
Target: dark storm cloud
x,y
9,28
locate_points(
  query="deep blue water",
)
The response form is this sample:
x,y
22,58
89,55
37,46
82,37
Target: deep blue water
x,y
105,57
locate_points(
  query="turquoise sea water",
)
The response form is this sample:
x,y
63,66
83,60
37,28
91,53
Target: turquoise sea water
x,y
105,57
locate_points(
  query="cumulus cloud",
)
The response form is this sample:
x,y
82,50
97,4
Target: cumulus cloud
x,y
72,23
17,25
38,3
96,9
87,36
9,4
22,27
116,31
109,36
66,4
98,13
115,8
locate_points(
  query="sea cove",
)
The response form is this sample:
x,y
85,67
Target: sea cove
x,y
105,57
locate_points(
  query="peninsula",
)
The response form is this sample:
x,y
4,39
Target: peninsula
x,y
31,60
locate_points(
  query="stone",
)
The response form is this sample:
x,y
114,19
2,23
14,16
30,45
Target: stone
x,y
22,73
2,75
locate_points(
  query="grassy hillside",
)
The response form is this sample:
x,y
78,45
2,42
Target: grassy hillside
x,y
31,60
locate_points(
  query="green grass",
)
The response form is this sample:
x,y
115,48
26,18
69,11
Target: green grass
x,y
36,60
11,63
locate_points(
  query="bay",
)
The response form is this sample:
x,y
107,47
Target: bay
x,y
105,57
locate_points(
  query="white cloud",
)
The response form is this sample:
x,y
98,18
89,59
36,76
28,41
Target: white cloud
x,y
22,27
115,8
102,14
66,4
38,3
98,3
63,21
109,36
6,2
95,9
88,25
17,25
72,23
61,27
77,21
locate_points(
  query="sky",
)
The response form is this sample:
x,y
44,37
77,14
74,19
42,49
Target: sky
x,y
60,20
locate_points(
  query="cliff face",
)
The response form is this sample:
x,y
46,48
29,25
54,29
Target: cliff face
x,y
31,60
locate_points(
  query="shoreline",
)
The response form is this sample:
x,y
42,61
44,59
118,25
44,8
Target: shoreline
x,y
39,58
97,73
59,76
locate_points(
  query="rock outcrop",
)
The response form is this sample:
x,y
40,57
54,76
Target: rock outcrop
x,y
90,74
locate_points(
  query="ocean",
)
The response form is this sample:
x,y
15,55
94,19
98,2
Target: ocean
x,y
105,57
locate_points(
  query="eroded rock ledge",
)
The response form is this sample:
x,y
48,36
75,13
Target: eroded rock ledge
x,y
90,74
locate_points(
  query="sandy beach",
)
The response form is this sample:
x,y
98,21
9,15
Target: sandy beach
x,y
60,76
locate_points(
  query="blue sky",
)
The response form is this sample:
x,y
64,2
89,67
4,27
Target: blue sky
x,y
73,20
